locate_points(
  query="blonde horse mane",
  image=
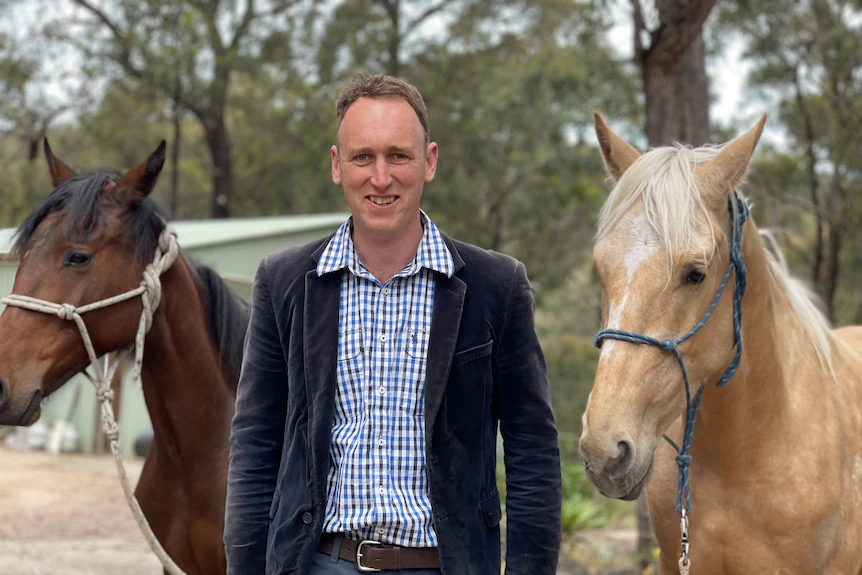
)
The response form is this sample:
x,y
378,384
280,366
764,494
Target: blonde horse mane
x,y
664,180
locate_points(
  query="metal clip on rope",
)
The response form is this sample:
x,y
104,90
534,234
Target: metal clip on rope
x,y
684,561
150,291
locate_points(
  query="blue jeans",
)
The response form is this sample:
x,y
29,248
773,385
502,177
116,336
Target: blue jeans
x,y
324,564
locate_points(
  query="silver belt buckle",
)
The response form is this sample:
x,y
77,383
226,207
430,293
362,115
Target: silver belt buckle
x,y
359,556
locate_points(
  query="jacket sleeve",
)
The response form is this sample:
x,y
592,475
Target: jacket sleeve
x,y
257,436
531,452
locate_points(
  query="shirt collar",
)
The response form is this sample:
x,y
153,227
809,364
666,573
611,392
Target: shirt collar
x,y
432,253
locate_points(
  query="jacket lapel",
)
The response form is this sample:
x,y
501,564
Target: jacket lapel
x,y
449,296
320,359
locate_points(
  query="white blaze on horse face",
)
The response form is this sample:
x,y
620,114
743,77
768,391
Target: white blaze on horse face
x,y
643,244
857,480
615,316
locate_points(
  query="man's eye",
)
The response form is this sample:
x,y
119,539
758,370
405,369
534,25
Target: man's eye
x,y
362,158
400,157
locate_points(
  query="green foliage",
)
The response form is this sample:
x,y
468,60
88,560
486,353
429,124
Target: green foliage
x,y
510,103
805,56
571,361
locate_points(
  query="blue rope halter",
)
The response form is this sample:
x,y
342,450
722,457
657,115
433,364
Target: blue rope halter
x,y
683,459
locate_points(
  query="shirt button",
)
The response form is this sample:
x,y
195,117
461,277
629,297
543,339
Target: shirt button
x,y
380,530
381,442
385,291
381,390
383,337
306,518
381,491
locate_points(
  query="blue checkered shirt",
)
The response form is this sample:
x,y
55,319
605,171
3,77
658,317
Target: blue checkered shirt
x,y
376,487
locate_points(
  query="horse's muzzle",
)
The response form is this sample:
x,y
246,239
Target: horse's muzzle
x,y
18,412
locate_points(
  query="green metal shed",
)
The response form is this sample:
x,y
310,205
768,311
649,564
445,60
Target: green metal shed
x,y
232,247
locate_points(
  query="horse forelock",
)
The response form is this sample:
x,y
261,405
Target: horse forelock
x,y
664,181
79,200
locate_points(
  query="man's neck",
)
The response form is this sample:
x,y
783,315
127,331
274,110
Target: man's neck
x,y
385,257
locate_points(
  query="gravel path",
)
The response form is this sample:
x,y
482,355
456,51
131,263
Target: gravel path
x,y
67,514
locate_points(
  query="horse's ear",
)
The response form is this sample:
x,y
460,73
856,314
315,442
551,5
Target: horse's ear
x,y
618,153
60,172
142,178
727,170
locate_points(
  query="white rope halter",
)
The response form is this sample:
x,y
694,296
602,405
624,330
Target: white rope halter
x,y
150,291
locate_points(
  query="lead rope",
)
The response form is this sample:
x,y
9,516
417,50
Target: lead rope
x,y
738,215
150,291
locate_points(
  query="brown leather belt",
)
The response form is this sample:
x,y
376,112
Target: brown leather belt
x,y
373,556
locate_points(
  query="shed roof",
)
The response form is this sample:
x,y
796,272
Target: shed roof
x,y
200,233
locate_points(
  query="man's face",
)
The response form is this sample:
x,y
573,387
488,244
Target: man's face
x,y
382,162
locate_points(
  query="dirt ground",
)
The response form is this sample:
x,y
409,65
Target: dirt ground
x,y
66,515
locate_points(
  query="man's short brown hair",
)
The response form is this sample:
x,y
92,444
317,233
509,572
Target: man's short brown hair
x,y
382,86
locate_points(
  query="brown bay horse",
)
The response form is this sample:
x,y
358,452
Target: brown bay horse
x,y
776,456
90,240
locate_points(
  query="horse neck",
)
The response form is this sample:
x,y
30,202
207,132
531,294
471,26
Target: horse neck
x,y
754,408
184,380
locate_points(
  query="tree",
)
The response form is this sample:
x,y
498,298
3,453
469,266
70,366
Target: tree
x,y
510,115
186,50
26,112
375,32
673,69
808,55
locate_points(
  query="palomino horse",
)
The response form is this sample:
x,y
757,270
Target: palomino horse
x,y
776,459
88,241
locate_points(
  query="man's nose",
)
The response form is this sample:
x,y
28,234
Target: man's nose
x,y
382,177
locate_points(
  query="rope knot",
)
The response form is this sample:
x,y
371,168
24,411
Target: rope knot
x,y
112,430
105,393
165,239
66,311
683,460
668,345
151,281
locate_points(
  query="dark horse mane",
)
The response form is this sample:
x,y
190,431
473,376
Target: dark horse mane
x,y
80,197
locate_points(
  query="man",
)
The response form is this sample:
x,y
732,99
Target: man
x,y
378,363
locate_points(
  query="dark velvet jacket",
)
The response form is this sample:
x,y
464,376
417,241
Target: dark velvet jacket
x,y
485,368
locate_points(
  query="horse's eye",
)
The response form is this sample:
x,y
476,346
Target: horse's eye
x,y
695,276
78,259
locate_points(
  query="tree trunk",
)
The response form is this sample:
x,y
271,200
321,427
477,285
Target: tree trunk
x,y
219,145
831,268
33,148
813,180
677,98
394,9
394,48
831,271
175,162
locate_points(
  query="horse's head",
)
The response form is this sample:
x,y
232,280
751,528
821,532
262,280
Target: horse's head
x,y
661,252
89,240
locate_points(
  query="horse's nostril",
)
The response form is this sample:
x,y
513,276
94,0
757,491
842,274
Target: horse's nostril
x,y
4,394
621,464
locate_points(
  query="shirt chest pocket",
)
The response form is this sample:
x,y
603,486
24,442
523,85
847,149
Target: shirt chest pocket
x,y
349,343
416,345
